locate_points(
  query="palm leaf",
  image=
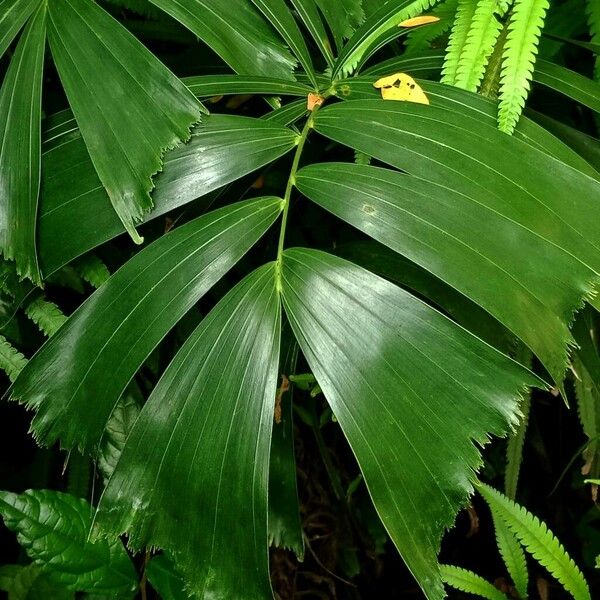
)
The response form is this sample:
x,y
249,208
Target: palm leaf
x,y
13,15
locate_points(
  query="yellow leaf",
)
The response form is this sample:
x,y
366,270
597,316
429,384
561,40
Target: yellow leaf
x,y
416,21
401,86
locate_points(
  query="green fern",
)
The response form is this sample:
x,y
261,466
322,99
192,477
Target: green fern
x,y
420,38
481,38
467,581
92,270
593,15
537,539
520,51
458,39
46,315
11,360
513,556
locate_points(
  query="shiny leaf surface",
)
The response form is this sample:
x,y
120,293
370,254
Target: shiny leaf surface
x,y
550,199
53,528
127,317
129,124
223,149
20,148
396,371
237,32
13,15
204,438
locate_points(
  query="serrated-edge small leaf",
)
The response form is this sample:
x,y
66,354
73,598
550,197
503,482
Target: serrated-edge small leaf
x,y
538,540
512,555
12,362
46,315
458,38
467,581
93,270
518,59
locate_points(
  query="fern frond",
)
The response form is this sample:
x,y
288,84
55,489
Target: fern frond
x,y
92,270
11,360
513,556
458,39
520,51
420,39
538,540
593,15
481,38
467,581
46,315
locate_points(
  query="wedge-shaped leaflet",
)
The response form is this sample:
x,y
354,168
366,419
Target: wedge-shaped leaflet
x,y
13,15
215,85
75,215
123,321
466,156
311,17
203,438
342,16
237,32
53,528
128,123
395,370
528,283
282,19
20,152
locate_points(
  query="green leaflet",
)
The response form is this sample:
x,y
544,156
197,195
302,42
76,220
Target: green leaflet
x,y
53,528
203,437
343,17
46,315
216,85
431,143
280,16
125,127
512,555
514,450
92,270
481,39
20,154
237,32
12,361
311,17
127,317
13,15
285,529
396,371
118,427
73,198
518,59
366,37
458,39
537,540
165,579
31,583
467,581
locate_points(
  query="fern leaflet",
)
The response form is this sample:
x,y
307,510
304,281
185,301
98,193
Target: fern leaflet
x,y
420,39
467,581
481,38
520,51
92,270
512,555
458,38
538,540
11,360
46,315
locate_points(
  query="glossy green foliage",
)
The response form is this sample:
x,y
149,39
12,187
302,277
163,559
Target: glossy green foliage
x,y
518,59
216,403
389,395
13,15
53,528
237,32
342,16
127,317
20,155
12,361
427,142
78,31
467,581
538,540
165,579
223,149
513,556
30,583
